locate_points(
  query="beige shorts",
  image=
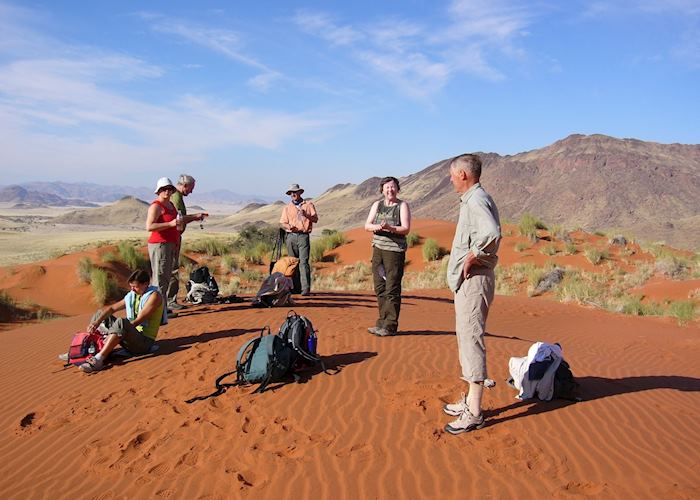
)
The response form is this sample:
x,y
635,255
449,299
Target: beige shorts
x,y
472,302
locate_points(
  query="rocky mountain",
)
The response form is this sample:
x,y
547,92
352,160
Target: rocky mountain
x,y
596,182
30,198
54,192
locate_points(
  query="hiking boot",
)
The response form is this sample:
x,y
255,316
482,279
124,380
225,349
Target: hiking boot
x,y
456,409
373,330
171,314
176,307
305,293
465,423
63,357
92,365
383,332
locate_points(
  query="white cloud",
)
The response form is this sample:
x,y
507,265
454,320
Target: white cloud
x,y
321,24
73,109
419,59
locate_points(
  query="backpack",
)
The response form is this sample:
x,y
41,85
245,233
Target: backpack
x,y
565,385
299,333
265,359
82,346
276,290
202,287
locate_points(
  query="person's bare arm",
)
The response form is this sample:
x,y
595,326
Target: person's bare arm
x,y
154,300
106,312
154,212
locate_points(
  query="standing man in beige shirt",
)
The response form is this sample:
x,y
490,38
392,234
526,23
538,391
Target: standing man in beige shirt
x,y
470,275
298,218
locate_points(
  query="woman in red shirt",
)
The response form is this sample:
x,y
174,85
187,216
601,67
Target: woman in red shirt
x,y
164,241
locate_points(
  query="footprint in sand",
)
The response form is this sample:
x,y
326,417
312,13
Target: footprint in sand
x,y
159,470
30,423
587,489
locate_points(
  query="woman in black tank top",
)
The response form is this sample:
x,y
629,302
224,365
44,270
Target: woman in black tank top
x,y
390,221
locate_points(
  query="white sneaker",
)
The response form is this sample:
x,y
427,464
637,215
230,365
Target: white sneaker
x,y
456,409
465,423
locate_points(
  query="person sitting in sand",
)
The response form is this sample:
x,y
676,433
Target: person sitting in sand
x,y
145,312
390,221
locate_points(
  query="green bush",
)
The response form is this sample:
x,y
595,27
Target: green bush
x,y
331,239
682,310
208,246
104,288
549,250
529,224
131,258
570,249
84,269
431,250
256,253
521,247
108,257
412,239
596,255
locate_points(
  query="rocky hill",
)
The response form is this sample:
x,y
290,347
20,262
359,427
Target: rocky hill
x,y
595,182
128,211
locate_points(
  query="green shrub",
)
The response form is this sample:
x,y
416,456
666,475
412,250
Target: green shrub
x,y
252,275
674,266
43,314
131,258
682,310
570,249
256,253
84,269
575,287
104,288
431,250
529,225
549,250
596,255
521,247
108,257
319,246
412,239
209,246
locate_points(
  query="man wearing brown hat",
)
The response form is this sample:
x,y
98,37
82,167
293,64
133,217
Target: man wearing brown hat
x,y
298,218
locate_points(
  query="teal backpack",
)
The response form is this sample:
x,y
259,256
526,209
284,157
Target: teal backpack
x,y
263,360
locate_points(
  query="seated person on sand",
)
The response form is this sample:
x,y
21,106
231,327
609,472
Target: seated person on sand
x,y
137,332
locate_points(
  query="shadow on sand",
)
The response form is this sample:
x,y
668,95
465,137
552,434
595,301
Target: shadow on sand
x,y
592,388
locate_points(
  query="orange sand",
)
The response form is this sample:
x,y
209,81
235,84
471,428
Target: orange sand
x,y
371,430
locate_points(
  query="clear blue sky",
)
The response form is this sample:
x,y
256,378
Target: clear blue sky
x,y
252,96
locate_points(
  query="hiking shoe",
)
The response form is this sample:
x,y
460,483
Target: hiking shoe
x,y
172,314
63,357
92,365
373,330
456,409
465,423
383,332
305,293
176,307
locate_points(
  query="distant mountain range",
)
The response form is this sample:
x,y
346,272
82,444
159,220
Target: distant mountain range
x,y
62,194
596,182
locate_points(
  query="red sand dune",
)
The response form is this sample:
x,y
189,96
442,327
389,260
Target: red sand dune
x,y
371,430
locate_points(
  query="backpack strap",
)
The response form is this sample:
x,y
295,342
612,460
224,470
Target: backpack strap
x,y
220,388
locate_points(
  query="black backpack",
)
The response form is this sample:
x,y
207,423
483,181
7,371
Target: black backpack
x,y
299,333
202,288
565,385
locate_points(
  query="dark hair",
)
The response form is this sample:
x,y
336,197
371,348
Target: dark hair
x,y
389,179
139,276
469,163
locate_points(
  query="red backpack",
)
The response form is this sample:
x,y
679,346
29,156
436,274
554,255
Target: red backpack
x,y
83,346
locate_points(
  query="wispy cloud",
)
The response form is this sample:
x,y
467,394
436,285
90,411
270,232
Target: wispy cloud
x,y
419,59
225,42
73,108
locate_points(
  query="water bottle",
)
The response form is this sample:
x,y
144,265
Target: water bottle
x,y
179,221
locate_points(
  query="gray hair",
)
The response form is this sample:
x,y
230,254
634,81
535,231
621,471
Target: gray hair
x,y
185,180
469,163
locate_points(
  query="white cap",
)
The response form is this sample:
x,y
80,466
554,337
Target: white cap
x,y
163,182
